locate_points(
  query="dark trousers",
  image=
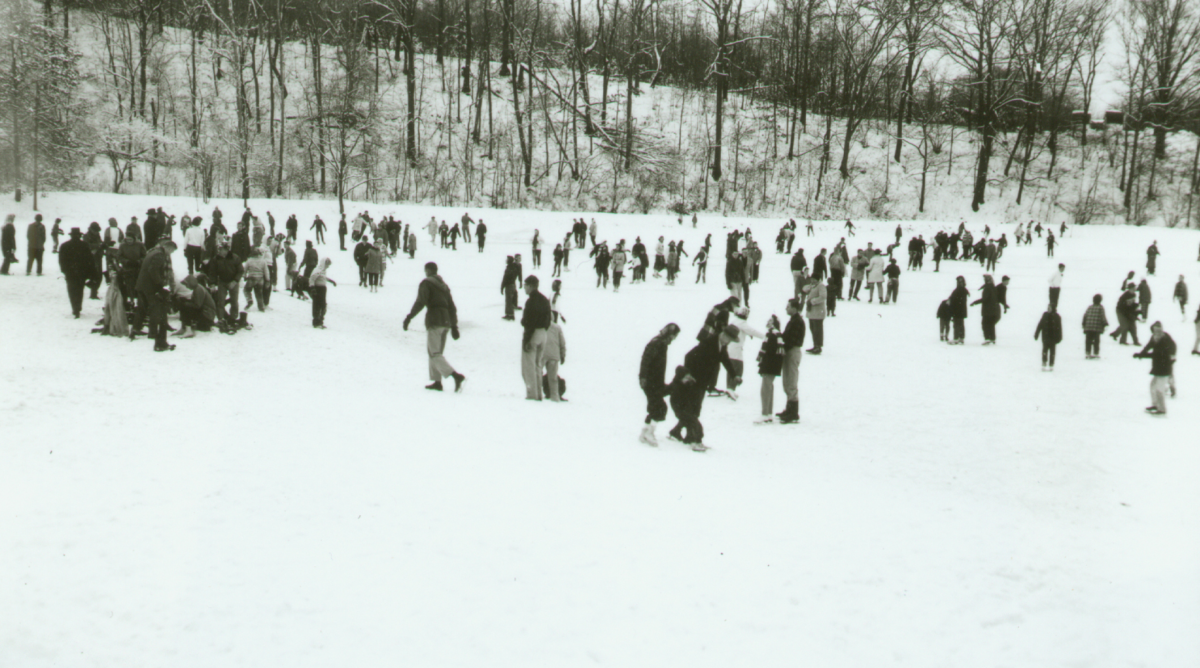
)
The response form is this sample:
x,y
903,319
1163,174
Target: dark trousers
x,y
342,240
320,236
944,328
989,327
482,240
318,304
702,272
854,287
156,310
960,328
510,301
75,293
193,254
1048,352
557,267
687,414
35,255
223,293
1091,343
1054,297
10,258
190,316
656,405
537,258
617,279
817,327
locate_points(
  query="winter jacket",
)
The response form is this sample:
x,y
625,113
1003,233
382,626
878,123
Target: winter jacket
x,y
1181,292
35,236
257,269
154,230
837,264
1049,328
434,295
770,357
310,258
8,238
619,258
653,371
858,267
374,261
958,302
201,299
816,302
734,270
793,333
240,245
555,349
536,314
225,269
1056,279
1127,304
820,266
943,312
991,304
703,362
131,254
875,269
1094,319
1161,354
155,274
76,260
113,236
1143,292
798,262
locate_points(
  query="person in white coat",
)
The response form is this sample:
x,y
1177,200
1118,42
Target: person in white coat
x,y
553,356
432,226
875,277
735,349
1055,281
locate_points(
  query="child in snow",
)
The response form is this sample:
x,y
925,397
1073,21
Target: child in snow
x,y
1094,324
553,355
770,365
1050,329
943,315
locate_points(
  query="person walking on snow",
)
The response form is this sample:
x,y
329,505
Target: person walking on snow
x,y
1055,282
35,238
1050,329
1181,295
991,309
481,234
1160,349
319,226
441,318
1152,258
1094,324
958,310
652,379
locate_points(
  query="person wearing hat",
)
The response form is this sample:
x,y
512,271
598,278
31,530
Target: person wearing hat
x,y
155,283
536,321
197,311
441,318
154,228
35,238
78,267
8,243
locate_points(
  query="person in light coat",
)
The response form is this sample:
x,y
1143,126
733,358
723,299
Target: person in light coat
x,y
735,351
815,306
554,354
875,277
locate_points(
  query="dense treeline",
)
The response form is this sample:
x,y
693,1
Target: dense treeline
x,y
528,101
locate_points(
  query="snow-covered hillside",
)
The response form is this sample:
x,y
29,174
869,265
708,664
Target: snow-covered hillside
x,y
291,496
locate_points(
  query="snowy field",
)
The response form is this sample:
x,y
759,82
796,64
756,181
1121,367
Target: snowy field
x,y
294,497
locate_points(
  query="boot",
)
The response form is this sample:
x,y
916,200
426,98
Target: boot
x,y
647,435
791,414
241,322
458,381
187,333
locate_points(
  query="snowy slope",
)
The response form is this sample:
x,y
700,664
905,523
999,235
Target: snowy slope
x,y
289,496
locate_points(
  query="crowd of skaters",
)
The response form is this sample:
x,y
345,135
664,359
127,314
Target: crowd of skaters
x,y
136,263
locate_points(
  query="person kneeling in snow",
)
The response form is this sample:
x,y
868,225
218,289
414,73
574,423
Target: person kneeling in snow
x,y
197,310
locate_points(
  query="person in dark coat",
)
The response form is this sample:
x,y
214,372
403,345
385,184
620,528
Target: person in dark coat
x,y
153,228
1094,323
536,322
688,388
154,284
958,310
360,258
1127,316
129,258
291,225
240,243
991,309
1050,330
56,232
820,266
8,243
309,261
508,286
441,318
78,267
1160,349
793,345
35,238
95,244
481,234
1144,297
342,230
1152,258
652,378
319,226
225,271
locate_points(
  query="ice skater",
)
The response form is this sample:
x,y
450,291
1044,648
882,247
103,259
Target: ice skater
x,y
441,318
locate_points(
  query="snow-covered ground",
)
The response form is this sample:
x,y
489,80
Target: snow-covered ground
x,y
294,497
